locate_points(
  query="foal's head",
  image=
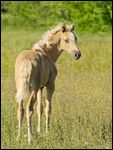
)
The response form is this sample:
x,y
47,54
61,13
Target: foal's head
x,y
68,41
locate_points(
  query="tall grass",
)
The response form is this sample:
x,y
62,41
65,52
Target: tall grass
x,y
81,105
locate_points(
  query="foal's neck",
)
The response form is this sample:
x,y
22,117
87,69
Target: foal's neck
x,y
54,53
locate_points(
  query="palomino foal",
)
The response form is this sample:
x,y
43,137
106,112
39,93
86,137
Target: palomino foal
x,y
35,69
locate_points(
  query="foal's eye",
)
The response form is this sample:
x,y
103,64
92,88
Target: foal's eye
x,y
67,41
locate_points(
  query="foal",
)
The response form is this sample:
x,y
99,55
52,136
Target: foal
x,y
35,69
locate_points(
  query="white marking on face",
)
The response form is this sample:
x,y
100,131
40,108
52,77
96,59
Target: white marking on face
x,y
72,38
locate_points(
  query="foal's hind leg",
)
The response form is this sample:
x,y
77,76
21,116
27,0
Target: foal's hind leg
x,y
29,112
20,112
50,90
39,108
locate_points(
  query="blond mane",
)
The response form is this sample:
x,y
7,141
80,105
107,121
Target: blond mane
x,y
39,45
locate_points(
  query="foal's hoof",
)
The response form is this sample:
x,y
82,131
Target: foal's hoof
x,y
30,140
38,131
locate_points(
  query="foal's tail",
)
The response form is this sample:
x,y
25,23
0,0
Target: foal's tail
x,y
24,80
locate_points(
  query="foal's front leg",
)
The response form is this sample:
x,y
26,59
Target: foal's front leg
x,y
50,90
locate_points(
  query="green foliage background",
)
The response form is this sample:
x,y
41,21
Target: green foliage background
x,y
87,15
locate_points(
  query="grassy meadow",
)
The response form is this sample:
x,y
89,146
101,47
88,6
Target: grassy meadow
x,y
81,106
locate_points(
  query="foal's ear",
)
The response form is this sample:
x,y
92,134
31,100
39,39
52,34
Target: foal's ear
x,y
63,27
72,27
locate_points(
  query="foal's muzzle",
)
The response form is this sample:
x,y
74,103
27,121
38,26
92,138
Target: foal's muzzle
x,y
77,55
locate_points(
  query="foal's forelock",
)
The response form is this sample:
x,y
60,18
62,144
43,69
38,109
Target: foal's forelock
x,y
72,37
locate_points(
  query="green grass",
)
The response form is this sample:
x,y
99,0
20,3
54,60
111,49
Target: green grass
x,y
81,106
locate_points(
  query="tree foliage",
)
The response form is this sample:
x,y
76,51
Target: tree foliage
x,y
87,15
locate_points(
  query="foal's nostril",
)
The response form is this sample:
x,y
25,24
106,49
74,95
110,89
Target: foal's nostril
x,y
76,54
